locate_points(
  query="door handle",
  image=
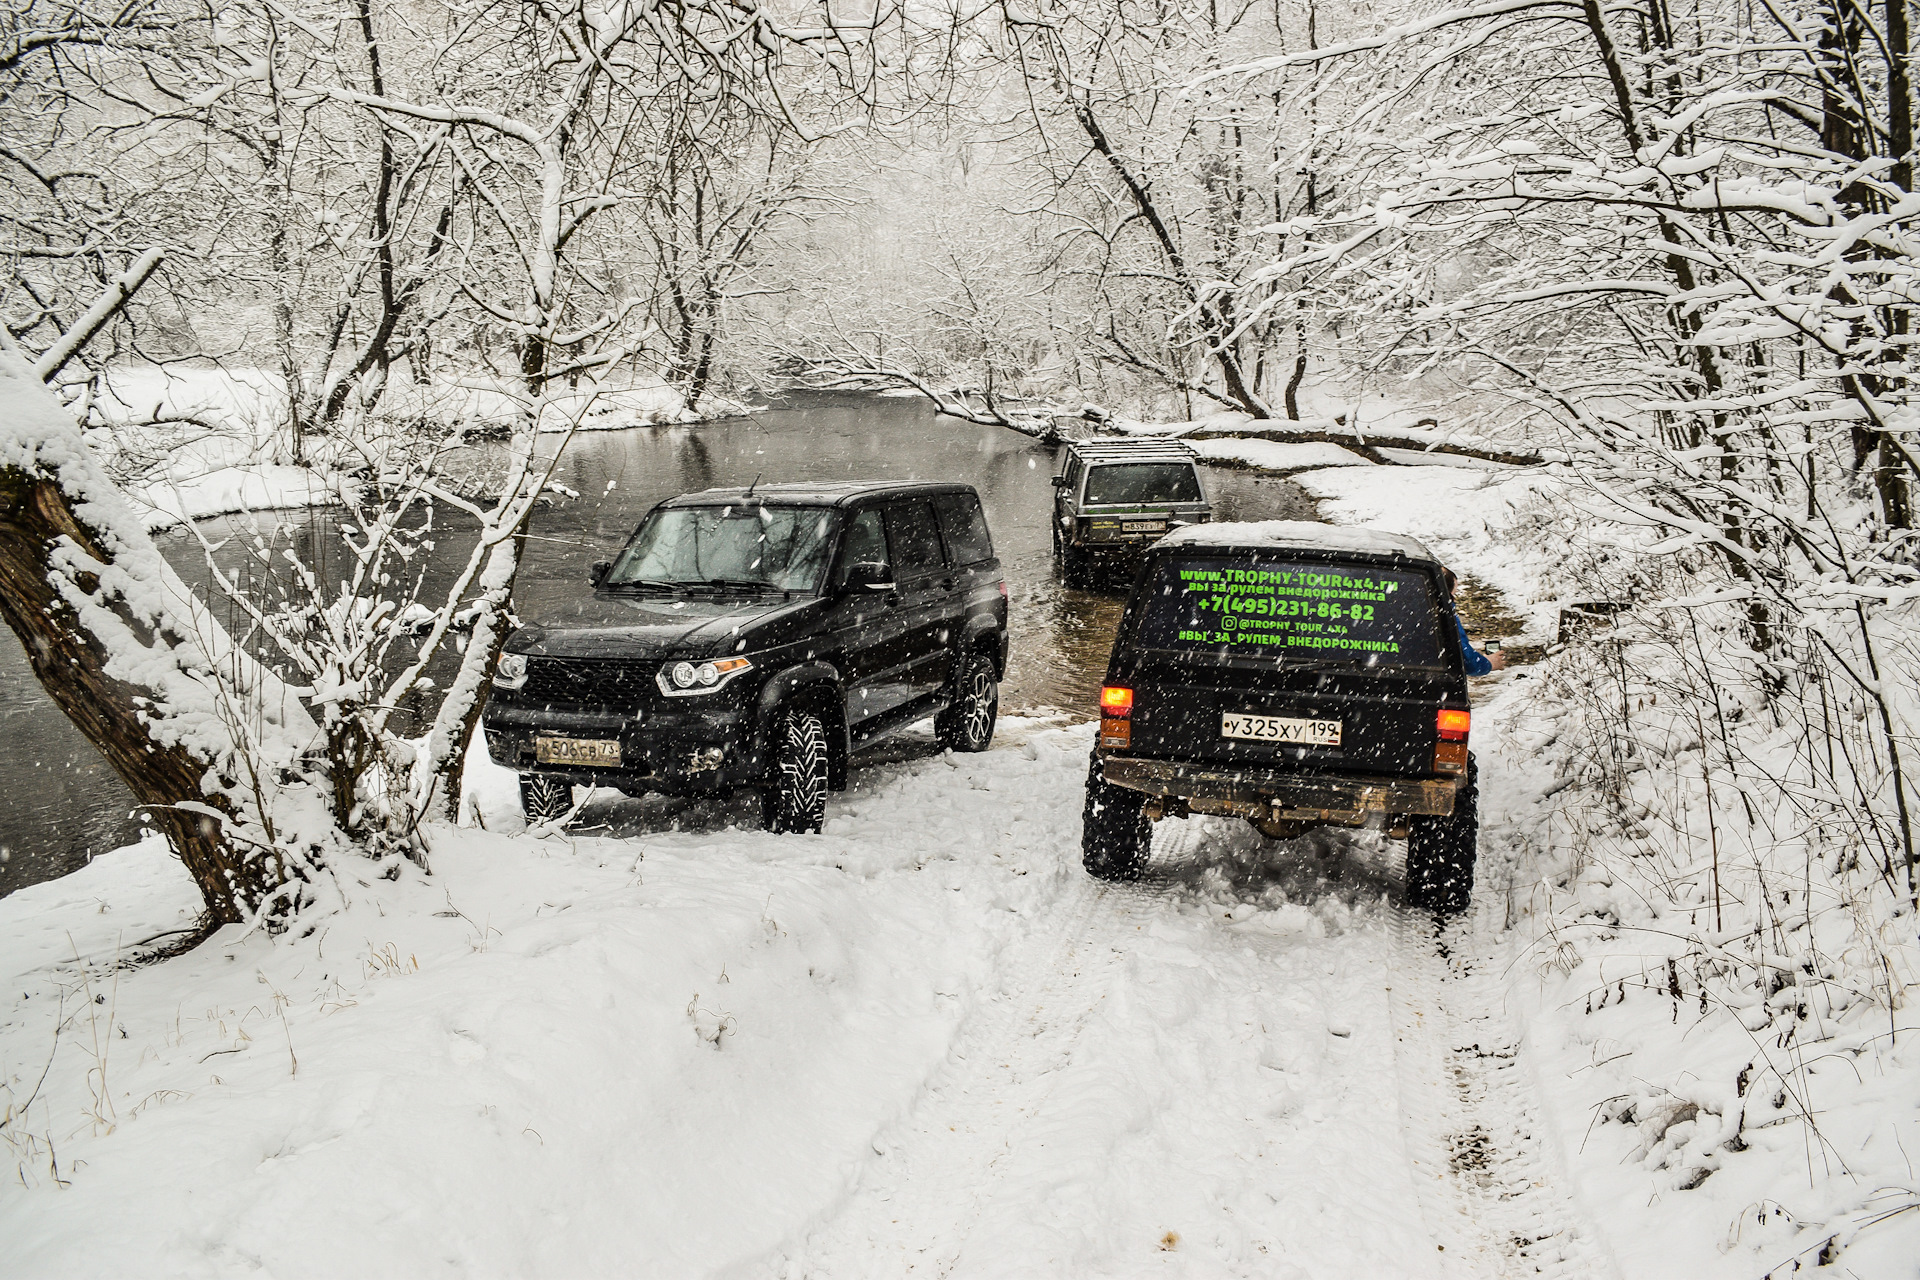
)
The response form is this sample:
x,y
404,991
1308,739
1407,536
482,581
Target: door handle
x,y
893,599
946,584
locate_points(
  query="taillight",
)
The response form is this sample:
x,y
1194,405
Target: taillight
x,y
1003,588
1116,708
1453,725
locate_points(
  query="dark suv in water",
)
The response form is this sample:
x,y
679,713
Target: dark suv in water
x,y
755,638
1296,675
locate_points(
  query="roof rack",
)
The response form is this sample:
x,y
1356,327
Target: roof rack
x,y
1144,450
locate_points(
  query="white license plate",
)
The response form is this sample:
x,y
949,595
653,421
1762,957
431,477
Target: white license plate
x,y
1143,526
1311,733
587,751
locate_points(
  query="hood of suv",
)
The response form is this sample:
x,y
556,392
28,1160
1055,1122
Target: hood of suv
x,y
696,624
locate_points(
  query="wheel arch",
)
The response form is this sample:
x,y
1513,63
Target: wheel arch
x,y
816,687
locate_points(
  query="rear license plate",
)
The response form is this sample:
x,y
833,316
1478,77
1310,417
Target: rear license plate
x,y
1143,526
1311,733
587,751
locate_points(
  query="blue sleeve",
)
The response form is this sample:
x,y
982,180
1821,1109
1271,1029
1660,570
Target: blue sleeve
x,y
1477,664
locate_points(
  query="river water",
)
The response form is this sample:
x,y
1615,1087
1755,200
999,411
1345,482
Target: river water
x,y
60,803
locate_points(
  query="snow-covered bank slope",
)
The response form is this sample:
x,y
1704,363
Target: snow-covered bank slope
x,y
563,1057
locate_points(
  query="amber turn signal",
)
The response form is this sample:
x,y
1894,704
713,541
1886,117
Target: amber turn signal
x,y
1116,733
1454,725
1116,702
1449,757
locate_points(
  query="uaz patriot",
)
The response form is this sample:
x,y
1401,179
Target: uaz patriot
x,y
755,638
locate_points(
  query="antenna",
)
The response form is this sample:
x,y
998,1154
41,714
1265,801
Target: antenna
x,y
750,488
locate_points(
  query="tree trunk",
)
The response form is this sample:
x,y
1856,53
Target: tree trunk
x,y
71,664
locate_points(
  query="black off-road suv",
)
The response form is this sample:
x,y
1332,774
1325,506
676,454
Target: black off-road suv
x,y
756,638
1296,675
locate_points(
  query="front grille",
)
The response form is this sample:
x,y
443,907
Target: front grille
x,y
589,682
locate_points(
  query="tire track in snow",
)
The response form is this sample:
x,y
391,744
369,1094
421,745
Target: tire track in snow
x,y
912,1213
1488,1189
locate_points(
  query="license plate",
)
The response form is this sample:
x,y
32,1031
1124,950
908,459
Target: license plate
x,y
587,751
1143,526
1311,733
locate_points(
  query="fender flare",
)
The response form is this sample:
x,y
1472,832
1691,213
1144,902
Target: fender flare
x,y
780,689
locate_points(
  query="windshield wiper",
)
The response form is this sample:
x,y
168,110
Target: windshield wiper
x,y
642,584
731,584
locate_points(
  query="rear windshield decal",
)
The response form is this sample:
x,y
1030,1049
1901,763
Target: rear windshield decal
x,y
1287,609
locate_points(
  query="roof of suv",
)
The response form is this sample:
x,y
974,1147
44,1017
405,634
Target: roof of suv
x,y
1135,450
1296,535
831,493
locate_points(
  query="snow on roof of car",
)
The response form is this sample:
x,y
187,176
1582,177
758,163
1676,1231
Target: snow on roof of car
x,y
1298,535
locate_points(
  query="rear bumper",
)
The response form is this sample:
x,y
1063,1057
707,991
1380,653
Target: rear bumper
x,y
1352,800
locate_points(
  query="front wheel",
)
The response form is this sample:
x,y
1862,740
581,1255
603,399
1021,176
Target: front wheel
x,y
1114,832
795,797
544,798
966,723
1441,852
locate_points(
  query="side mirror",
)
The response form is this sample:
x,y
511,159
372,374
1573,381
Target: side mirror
x,y
1059,482
598,574
868,575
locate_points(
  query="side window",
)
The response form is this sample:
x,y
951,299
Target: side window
x,y
965,527
865,542
1073,477
916,538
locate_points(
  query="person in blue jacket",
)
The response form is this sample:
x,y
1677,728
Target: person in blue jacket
x,y
1478,664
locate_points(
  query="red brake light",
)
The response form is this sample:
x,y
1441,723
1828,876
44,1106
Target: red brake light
x,y
1116,702
1453,725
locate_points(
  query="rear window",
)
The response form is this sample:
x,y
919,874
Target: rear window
x,y
1293,611
965,526
1143,482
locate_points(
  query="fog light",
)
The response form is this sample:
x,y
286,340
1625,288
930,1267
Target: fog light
x,y
706,758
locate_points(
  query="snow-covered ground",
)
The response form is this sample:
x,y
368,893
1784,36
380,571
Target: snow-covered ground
x,y
920,1043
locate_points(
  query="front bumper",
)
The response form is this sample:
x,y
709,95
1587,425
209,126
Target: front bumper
x,y
1346,799
676,752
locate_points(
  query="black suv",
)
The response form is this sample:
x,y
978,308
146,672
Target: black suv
x,y
755,638
1296,675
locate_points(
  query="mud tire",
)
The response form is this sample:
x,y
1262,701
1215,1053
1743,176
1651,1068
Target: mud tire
x,y
966,723
1115,835
1441,852
544,798
794,799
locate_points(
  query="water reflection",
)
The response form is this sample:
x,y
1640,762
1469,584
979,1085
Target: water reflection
x,y
59,802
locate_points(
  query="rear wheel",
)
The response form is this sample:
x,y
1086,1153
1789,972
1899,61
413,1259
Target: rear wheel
x,y
795,797
1114,831
1076,565
967,722
1441,851
544,798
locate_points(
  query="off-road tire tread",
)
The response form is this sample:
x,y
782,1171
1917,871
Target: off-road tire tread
x,y
1115,835
543,798
796,793
1441,852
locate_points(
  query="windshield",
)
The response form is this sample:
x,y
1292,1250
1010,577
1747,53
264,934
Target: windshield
x,y
1289,611
745,545
1139,482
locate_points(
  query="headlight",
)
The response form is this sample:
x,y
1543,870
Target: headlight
x,y
510,670
684,678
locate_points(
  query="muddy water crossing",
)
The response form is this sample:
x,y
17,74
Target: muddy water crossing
x,y
60,804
